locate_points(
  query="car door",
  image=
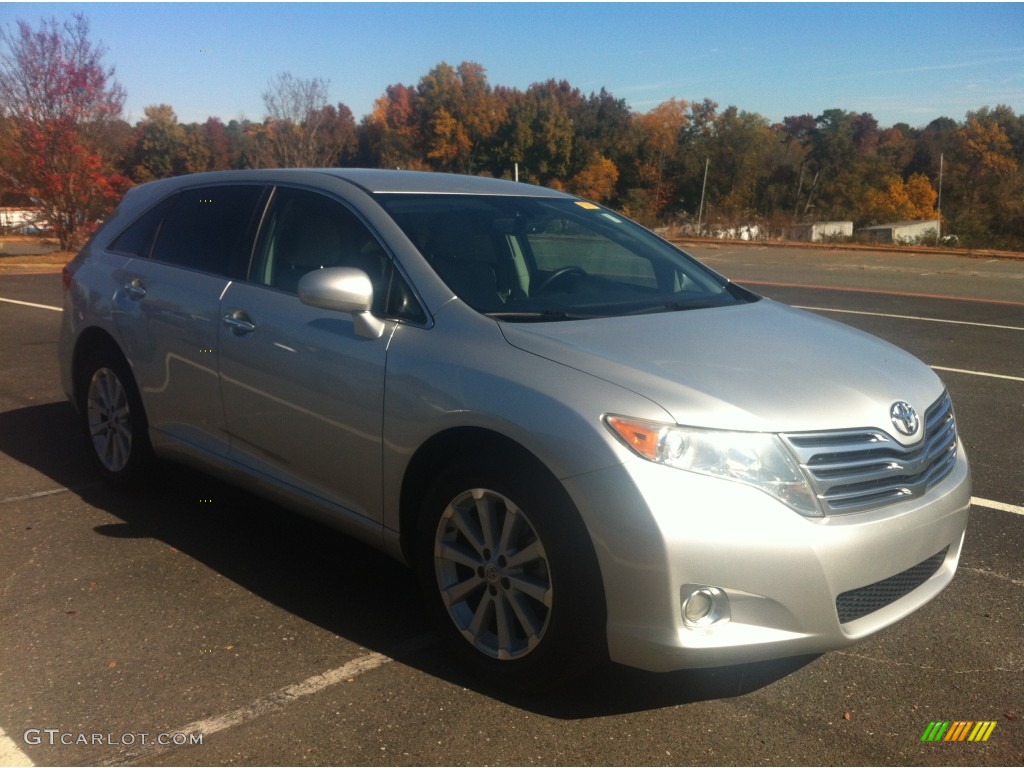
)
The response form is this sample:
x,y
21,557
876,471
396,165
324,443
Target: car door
x,y
303,393
167,308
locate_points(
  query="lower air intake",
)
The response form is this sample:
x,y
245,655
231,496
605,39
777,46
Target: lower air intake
x,y
858,603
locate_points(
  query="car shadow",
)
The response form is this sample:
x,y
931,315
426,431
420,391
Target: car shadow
x,y
327,578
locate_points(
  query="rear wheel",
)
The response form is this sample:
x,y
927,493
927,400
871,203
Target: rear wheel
x,y
113,418
510,573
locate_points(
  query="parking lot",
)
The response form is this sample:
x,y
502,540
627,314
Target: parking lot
x,y
192,624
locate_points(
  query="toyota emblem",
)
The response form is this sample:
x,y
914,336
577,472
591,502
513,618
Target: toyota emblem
x,y
904,418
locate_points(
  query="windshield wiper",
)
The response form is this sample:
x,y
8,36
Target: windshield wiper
x,y
545,316
675,306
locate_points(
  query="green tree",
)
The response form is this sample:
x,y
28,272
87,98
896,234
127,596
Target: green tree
x,y
604,125
538,132
743,144
161,149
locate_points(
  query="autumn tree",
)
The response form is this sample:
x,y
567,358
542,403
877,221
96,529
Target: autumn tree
x,y
910,200
987,189
301,129
660,132
239,135
215,136
459,115
391,133
596,180
57,104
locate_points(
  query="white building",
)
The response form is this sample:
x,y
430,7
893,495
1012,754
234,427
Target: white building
x,y
22,220
899,232
815,232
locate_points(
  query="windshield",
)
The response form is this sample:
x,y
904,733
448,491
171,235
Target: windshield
x,y
541,259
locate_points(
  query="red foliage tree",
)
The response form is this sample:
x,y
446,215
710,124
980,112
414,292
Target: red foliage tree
x,y
58,102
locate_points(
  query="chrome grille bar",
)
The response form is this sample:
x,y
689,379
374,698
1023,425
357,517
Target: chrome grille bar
x,y
860,469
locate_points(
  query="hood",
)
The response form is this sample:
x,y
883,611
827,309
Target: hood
x,y
759,367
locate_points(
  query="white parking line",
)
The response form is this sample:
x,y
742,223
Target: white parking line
x,y
977,373
10,754
30,304
37,495
932,320
1001,506
913,317
54,491
276,700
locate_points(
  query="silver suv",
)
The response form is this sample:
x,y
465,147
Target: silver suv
x,y
586,443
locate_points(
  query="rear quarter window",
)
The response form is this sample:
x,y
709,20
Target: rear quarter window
x,y
137,239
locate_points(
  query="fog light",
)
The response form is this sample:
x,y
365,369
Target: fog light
x,y
703,606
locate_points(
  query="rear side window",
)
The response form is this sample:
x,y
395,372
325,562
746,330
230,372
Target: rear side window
x,y
138,238
210,229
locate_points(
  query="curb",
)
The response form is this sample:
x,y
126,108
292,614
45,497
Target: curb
x,y
968,253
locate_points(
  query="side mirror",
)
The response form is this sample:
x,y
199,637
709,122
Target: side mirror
x,y
343,289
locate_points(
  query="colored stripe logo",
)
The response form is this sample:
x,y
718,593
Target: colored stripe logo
x,y
958,730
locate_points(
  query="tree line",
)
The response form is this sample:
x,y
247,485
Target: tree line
x,y
67,147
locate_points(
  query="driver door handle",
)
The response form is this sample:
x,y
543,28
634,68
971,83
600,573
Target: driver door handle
x,y
239,323
135,288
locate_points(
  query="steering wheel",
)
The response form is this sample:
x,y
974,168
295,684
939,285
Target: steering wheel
x,y
557,275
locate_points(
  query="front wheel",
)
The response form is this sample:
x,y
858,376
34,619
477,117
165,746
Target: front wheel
x,y
510,572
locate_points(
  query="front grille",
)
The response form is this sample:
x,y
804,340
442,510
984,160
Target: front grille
x,y
859,469
860,602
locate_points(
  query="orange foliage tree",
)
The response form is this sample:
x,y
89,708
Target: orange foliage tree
x,y
597,179
910,200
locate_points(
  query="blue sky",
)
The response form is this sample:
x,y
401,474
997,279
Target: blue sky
x,y
909,62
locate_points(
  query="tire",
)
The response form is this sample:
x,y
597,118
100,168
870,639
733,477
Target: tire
x,y
509,573
114,419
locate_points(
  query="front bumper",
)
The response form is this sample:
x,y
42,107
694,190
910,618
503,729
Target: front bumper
x,y
659,533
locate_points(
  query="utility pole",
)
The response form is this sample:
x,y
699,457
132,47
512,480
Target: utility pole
x,y
938,210
704,186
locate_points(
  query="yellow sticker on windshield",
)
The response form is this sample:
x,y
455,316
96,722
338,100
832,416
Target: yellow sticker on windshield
x,y
588,206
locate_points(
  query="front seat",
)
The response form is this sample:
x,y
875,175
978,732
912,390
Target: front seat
x,y
312,242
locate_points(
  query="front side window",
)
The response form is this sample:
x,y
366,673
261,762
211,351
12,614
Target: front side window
x,y
530,259
305,231
209,229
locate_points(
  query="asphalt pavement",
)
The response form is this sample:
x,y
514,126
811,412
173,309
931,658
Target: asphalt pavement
x,y
190,623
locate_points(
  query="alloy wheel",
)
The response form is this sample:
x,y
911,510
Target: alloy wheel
x,y
109,420
493,575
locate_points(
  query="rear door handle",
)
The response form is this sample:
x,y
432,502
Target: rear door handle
x,y
239,323
135,288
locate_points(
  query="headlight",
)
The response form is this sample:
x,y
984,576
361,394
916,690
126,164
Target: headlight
x,y
755,458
